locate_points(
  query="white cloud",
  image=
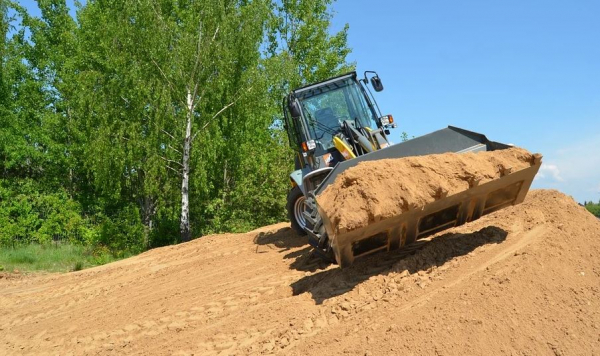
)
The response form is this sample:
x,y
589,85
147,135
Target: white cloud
x,y
572,168
549,171
579,160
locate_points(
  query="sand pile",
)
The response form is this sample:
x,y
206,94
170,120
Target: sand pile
x,y
524,280
376,190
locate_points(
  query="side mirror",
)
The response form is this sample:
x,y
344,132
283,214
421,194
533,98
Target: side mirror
x,y
376,83
294,107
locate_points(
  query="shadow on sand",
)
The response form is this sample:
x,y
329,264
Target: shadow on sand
x,y
420,256
330,282
286,240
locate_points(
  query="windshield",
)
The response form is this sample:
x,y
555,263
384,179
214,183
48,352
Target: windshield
x,y
327,106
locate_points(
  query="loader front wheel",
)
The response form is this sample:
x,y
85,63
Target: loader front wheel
x,y
295,208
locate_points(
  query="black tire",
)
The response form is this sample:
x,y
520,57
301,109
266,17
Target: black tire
x,y
295,207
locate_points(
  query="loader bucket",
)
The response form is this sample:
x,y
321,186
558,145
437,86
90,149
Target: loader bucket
x,y
453,210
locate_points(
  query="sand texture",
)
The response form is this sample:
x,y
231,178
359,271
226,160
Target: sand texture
x,y
377,190
521,281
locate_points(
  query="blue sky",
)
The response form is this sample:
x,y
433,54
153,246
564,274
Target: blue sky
x,y
522,72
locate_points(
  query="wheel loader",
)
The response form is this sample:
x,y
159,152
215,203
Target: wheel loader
x,y
336,124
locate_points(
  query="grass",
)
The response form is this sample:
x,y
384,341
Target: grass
x,y
62,257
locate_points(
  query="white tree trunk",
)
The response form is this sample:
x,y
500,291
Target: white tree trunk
x,y
184,225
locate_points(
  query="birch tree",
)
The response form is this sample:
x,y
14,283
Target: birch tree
x,y
173,105
206,68
164,72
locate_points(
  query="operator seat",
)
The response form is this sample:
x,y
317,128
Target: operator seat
x,y
328,125
326,117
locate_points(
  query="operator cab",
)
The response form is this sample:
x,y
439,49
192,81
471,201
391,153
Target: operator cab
x,y
317,113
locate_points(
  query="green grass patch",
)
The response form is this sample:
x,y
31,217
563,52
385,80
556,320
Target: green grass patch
x,y
61,257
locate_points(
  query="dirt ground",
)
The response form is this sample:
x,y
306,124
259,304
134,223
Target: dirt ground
x,y
522,281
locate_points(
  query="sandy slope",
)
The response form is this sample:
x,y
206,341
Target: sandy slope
x,y
523,281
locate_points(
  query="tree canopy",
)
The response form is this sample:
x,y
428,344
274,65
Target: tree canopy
x,y
140,123
593,208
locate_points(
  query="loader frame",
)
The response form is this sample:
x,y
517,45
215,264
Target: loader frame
x,y
317,168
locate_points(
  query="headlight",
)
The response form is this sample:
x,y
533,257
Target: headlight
x,y
387,120
309,145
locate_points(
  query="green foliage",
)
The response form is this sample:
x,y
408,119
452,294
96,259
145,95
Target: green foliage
x,y
93,115
165,231
78,266
55,257
593,208
122,233
28,214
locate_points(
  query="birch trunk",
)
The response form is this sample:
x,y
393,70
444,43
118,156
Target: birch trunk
x,y
184,225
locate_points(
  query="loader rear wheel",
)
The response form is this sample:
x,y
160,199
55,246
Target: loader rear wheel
x,y
295,208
